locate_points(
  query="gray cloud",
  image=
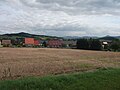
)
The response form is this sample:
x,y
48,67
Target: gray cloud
x,y
77,6
61,17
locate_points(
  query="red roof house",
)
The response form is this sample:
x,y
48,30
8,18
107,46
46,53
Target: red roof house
x,y
29,41
36,42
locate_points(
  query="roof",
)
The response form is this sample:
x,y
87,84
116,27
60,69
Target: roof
x,y
29,40
36,42
105,42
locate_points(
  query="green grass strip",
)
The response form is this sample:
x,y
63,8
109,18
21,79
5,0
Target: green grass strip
x,y
99,80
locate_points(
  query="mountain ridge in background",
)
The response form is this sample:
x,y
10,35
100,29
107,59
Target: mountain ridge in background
x,y
24,34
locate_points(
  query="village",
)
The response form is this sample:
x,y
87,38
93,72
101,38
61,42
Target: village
x,y
31,42
52,43
27,40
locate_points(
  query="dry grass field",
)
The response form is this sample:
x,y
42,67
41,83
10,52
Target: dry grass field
x,y
22,62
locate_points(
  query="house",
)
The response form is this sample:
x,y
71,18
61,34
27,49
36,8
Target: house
x,y
55,43
108,41
0,43
105,44
6,43
29,42
36,42
70,43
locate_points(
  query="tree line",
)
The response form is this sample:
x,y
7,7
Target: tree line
x,y
95,44
89,44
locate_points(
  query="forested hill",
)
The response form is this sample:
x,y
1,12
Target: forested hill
x,y
23,35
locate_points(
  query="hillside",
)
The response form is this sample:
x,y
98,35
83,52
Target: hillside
x,y
109,38
118,37
23,35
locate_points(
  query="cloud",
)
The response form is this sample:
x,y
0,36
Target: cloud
x,y
73,6
60,17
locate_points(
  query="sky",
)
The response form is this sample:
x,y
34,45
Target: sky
x,y
61,17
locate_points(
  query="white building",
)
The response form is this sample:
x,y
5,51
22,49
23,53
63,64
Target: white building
x,y
0,44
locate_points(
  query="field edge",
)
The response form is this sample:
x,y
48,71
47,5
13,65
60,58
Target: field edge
x,y
103,79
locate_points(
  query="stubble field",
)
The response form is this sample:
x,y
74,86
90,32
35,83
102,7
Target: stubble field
x,y
23,62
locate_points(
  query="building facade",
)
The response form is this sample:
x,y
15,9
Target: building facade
x,y
36,42
70,43
6,42
105,44
29,42
0,42
55,43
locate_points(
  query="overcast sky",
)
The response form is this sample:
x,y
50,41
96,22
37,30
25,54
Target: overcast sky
x,y
61,17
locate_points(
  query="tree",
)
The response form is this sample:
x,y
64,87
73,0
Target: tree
x,y
115,46
89,44
82,44
95,44
44,44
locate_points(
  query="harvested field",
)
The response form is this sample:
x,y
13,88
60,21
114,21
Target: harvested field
x,y
20,62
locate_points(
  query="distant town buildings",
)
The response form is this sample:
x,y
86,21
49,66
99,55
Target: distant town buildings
x,y
0,42
105,43
29,41
70,43
32,42
55,43
48,43
6,42
37,42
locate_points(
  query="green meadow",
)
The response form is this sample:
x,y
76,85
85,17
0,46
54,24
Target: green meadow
x,y
103,79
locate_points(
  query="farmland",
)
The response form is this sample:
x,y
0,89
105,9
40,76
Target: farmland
x,y
23,62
